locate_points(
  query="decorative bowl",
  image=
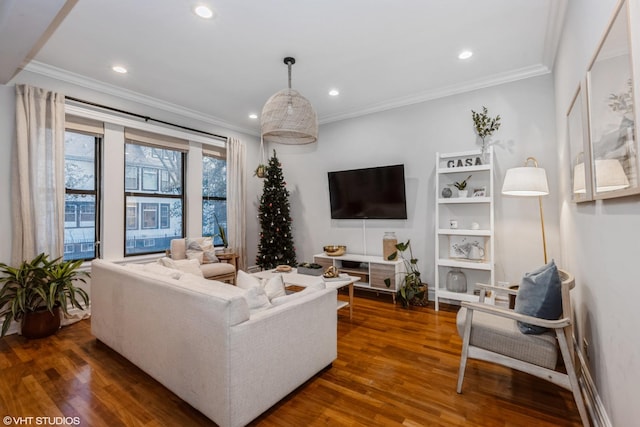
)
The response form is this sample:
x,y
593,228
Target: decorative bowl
x,y
335,250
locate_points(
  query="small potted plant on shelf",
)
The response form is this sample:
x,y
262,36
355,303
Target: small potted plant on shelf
x,y
462,186
411,290
485,126
35,292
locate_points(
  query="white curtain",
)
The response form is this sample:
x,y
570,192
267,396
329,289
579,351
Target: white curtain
x,y
237,198
38,174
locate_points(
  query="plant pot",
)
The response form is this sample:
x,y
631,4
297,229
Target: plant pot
x,y
463,193
40,323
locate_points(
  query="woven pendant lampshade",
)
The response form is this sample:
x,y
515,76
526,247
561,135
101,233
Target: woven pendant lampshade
x,y
288,117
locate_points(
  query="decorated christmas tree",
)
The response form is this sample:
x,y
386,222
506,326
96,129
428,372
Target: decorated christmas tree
x,y
276,241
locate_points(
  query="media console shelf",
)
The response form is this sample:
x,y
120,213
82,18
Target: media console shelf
x,y
372,270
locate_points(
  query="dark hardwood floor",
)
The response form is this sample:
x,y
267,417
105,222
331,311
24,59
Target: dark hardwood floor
x,y
394,367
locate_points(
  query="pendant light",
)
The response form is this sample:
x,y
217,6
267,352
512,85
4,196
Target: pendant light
x,y
288,117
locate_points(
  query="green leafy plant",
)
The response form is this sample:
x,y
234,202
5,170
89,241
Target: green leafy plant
x,y
221,233
461,185
40,283
261,171
411,289
484,125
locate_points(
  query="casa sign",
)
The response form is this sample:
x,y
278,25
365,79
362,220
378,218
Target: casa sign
x,y
464,162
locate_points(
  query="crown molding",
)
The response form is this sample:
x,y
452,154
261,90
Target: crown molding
x,y
108,89
495,80
555,23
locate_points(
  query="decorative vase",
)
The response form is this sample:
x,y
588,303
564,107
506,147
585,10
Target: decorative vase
x,y
41,323
389,242
463,193
446,192
456,280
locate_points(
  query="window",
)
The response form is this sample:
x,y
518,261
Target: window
x,y
131,178
214,196
154,213
165,221
132,217
149,215
149,179
81,169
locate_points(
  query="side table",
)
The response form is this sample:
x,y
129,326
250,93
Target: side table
x,y
230,257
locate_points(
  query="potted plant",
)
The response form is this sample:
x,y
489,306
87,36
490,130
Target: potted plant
x,y
36,291
461,186
411,291
261,171
221,233
485,126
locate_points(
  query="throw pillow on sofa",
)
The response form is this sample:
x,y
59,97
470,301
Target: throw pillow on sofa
x,y
201,248
257,299
540,295
273,287
191,266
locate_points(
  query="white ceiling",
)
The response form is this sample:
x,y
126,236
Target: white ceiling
x,y
380,54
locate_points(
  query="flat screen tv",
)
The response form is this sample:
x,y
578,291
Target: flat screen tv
x,y
370,193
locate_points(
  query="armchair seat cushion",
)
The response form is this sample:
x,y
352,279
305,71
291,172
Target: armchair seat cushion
x,y
217,269
503,336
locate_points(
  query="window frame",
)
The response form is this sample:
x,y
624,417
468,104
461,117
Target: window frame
x,y
96,193
212,198
145,194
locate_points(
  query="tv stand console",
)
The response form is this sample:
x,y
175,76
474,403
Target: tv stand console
x,y
372,270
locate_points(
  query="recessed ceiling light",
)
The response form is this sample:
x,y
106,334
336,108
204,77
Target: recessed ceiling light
x,y
465,54
253,116
334,92
203,12
119,69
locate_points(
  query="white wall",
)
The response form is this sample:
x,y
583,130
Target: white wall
x,y
113,211
412,135
599,239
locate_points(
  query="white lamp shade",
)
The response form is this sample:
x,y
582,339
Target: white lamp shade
x,y
610,175
525,181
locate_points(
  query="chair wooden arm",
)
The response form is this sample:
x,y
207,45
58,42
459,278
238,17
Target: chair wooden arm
x,y
487,287
510,314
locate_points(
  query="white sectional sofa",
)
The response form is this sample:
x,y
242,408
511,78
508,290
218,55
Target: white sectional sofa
x,y
198,338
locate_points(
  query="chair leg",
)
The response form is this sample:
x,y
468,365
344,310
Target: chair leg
x,y
573,378
465,349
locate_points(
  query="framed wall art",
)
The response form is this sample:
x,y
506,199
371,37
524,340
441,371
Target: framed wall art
x,y
612,117
579,152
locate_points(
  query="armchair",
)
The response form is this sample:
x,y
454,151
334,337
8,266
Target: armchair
x,y
490,333
222,271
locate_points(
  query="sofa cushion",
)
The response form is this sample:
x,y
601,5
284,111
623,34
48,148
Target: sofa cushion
x,y
216,269
155,268
273,287
294,295
503,336
191,266
540,295
201,248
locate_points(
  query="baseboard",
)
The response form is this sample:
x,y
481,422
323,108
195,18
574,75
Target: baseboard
x,y
592,400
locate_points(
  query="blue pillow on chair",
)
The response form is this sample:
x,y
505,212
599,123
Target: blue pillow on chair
x,y
540,295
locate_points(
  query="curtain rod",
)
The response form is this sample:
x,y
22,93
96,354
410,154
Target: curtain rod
x,y
145,118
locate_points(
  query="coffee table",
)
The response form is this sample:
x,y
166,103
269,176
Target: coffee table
x,y
304,280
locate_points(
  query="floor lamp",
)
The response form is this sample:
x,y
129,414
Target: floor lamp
x,y
528,181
